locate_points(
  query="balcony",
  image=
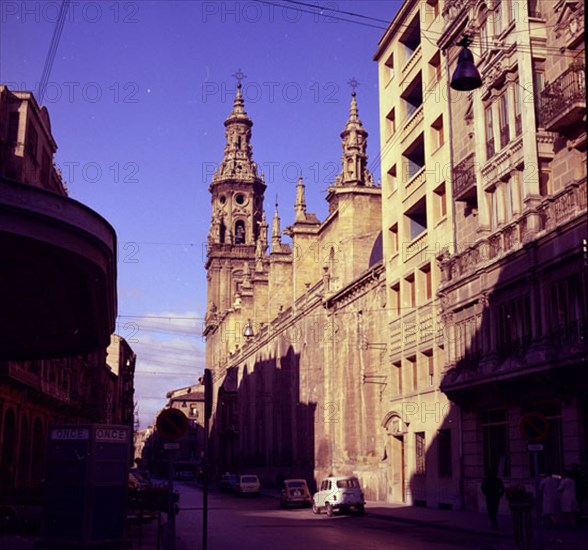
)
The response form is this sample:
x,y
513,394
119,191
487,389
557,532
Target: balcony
x,y
58,265
563,102
464,179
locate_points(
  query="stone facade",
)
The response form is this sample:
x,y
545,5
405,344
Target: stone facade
x,y
513,289
302,396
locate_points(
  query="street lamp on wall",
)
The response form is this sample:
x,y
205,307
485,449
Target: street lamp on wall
x,y
248,330
466,76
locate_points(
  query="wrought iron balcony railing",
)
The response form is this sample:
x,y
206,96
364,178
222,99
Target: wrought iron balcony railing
x,y
563,102
464,178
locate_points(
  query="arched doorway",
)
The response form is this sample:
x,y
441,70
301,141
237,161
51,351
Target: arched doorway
x,y
396,451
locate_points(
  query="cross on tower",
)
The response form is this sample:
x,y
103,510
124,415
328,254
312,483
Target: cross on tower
x,y
354,83
239,75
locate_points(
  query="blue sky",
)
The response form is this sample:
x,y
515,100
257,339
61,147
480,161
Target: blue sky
x,y
138,95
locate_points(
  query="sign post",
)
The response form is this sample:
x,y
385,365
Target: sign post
x,y
207,380
534,427
172,424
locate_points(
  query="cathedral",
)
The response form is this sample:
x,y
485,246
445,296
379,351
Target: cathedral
x,y
295,332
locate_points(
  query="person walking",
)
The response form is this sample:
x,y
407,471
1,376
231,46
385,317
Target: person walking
x,y
493,489
548,487
568,502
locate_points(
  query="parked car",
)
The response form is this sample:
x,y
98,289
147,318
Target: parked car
x,y
227,482
295,492
247,484
338,493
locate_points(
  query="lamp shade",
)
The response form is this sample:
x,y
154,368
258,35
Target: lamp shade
x,y
465,77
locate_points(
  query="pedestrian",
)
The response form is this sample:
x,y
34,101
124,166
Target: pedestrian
x,y
568,502
548,487
493,489
581,485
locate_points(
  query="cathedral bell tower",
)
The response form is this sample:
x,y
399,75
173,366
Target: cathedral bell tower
x,y
238,230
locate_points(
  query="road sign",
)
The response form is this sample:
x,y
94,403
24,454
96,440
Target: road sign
x,y
535,446
171,424
534,427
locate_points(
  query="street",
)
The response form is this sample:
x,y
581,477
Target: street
x,y
237,523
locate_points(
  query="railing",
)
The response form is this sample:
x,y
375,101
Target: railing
x,y
574,332
415,181
414,247
564,98
464,176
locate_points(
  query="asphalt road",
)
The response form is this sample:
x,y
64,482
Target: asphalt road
x,y
258,523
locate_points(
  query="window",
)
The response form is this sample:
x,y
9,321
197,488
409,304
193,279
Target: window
x,y
495,442
467,339
392,180
517,108
489,132
411,39
513,11
430,364
494,208
513,320
483,23
538,85
45,167
444,449
394,238
427,282
417,218
13,123
413,368
410,295
240,232
440,202
438,137
389,64
398,366
414,158
396,303
391,122
509,205
420,453
432,10
32,139
435,68
413,96
568,310
498,17
503,120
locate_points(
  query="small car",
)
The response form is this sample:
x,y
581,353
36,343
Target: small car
x,y
247,484
338,493
295,492
227,482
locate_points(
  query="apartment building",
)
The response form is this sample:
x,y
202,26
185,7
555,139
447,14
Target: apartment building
x,y
513,289
417,217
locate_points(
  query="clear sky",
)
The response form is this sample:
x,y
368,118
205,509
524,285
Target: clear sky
x,y
138,94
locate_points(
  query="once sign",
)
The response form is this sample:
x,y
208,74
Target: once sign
x,y
172,424
534,427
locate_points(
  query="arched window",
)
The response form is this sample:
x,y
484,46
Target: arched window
x,y
240,232
483,24
223,231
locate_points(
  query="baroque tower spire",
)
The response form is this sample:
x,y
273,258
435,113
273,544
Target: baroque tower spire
x,y
354,142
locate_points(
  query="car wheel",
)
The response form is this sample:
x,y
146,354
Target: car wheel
x,y
330,510
361,509
315,509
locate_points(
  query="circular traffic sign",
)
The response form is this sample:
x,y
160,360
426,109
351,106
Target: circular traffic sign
x,y
534,427
172,424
